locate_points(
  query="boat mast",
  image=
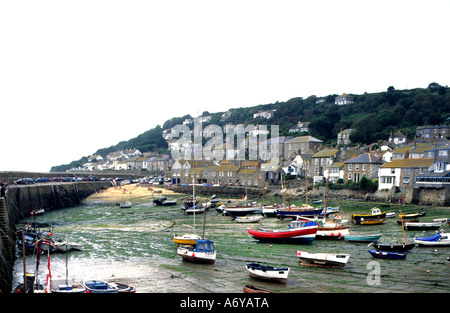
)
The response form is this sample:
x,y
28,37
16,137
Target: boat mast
x,y
193,198
306,181
403,228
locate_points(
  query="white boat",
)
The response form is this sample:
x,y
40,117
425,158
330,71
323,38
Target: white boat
x,y
68,246
440,239
423,226
195,209
248,219
390,214
260,271
332,231
202,252
241,210
330,260
126,204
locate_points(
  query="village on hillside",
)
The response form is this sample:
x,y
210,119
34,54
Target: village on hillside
x,y
395,163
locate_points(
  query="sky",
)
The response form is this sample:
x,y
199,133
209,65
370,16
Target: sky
x,y
77,76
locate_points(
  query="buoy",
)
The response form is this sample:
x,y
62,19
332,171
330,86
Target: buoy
x,y
428,271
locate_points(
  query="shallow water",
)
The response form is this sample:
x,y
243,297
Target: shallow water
x,y
135,246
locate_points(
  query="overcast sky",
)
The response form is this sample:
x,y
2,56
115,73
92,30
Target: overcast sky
x,y
76,76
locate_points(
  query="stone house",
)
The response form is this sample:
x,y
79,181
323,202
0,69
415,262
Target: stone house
x,y
366,165
343,137
301,145
322,159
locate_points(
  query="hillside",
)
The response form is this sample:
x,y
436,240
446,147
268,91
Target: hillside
x,y
372,115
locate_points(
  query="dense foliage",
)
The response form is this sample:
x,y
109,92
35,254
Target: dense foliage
x,y
372,116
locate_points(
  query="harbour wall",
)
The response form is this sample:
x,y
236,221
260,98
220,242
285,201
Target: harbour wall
x,y
20,201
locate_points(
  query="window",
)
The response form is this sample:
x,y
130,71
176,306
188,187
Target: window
x,y
349,167
364,167
443,152
406,180
357,167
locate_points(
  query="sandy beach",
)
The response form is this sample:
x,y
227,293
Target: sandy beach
x,y
135,192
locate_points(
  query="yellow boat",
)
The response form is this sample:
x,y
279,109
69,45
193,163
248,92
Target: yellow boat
x,y
376,217
186,239
373,222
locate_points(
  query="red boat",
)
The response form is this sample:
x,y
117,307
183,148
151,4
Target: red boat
x,y
299,232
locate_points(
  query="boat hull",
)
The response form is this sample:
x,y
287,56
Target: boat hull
x,y
197,256
329,260
332,233
253,289
393,247
369,219
186,239
248,219
259,271
305,212
441,239
362,238
302,235
423,226
388,254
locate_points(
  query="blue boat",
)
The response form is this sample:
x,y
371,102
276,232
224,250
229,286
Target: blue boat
x,y
388,254
99,286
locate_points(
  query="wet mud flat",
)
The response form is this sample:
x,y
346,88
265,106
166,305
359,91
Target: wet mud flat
x,y
134,245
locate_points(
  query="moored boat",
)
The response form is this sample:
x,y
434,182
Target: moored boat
x,y
302,232
330,260
423,226
265,272
399,247
186,239
123,288
254,289
376,217
248,219
99,286
66,287
303,211
440,239
202,252
362,238
162,201
413,215
388,254
241,210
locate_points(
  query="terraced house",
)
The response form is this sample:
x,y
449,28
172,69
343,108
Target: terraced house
x,y
402,173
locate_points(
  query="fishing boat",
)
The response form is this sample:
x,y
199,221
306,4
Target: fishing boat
x,y
202,252
376,217
248,219
254,289
162,201
302,232
186,239
423,226
125,205
388,254
265,272
99,286
440,239
362,238
330,260
37,212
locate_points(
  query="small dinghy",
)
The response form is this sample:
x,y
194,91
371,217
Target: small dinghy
x,y
254,289
265,272
248,219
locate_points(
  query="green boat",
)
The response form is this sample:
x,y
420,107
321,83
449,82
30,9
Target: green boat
x,y
362,238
